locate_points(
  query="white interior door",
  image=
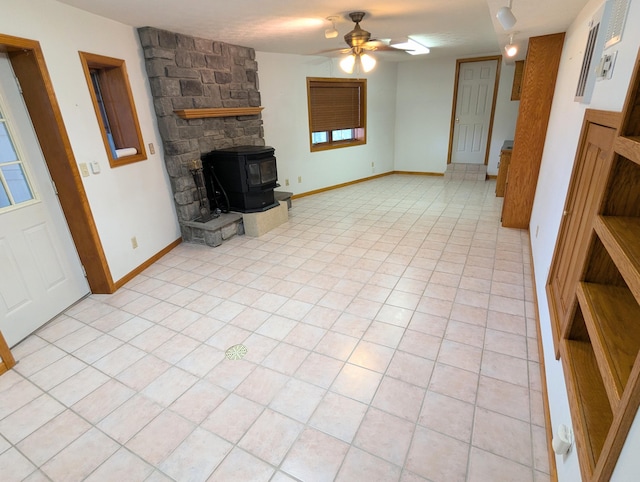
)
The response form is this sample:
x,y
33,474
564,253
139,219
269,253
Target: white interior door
x,y
40,272
476,82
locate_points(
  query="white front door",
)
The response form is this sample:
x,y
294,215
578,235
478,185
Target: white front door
x,y
40,272
476,82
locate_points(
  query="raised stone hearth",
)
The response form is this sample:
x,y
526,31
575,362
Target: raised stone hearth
x,y
214,232
283,196
257,224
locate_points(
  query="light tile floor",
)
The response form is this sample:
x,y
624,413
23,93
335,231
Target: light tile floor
x,y
390,333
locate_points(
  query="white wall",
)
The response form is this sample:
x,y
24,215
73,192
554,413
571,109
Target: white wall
x,y
555,172
504,121
423,113
408,119
132,200
283,90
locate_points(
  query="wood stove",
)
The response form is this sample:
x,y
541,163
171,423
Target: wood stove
x,y
241,178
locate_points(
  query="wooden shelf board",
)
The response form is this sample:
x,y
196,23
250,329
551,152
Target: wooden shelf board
x,y
620,237
611,314
217,112
629,147
590,408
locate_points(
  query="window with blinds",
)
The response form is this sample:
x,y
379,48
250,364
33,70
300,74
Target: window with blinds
x,y
337,112
116,113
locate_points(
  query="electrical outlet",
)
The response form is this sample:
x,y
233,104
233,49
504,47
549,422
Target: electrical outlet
x,y
152,148
134,242
84,170
286,182
299,179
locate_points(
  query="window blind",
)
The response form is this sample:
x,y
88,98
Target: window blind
x,y
335,105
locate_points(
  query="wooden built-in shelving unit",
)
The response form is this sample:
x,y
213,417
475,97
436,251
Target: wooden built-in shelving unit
x,y
600,342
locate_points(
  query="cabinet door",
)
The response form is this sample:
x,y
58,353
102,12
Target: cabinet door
x,y
505,160
538,85
588,181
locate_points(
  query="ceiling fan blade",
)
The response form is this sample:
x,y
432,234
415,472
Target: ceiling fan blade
x,y
336,50
388,48
374,44
381,46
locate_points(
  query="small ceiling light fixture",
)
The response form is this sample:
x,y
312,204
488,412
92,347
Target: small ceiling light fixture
x,y
410,46
368,62
357,60
348,63
511,49
331,32
506,18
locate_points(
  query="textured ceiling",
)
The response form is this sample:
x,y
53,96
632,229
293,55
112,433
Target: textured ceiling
x,y
451,28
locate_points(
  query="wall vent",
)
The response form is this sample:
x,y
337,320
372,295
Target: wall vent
x,y
587,79
617,18
608,20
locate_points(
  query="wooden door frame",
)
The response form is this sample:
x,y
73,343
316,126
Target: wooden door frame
x,y
28,64
493,103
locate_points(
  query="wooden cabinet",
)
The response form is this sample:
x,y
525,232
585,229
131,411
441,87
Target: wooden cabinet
x,y
503,170
591,168
600,345
516,88
538,85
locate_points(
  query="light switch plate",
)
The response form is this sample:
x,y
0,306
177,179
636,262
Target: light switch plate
x,y
84,170
95,167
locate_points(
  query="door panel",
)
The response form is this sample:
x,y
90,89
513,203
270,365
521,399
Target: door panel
x,y
476,82
41,271
41,248
588,182
13,287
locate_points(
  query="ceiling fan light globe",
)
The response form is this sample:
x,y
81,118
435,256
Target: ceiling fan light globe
x,y
347,63
506,18
368,62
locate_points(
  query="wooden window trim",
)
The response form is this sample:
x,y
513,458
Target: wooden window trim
x,y
119,106
360,130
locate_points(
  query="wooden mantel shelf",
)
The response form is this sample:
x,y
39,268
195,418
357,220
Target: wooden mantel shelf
x,y
217,112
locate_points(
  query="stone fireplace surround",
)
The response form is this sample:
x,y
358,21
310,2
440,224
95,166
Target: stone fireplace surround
x,y
193,73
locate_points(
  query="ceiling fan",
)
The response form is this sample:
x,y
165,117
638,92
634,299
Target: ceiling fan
x,y
359,41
